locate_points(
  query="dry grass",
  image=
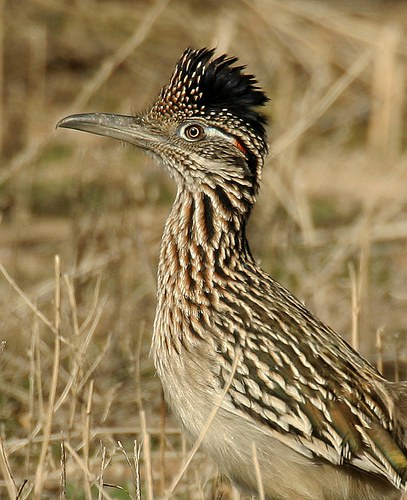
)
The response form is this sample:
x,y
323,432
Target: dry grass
x,y
77,387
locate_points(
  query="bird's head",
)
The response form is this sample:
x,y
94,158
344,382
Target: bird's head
x,y
204,127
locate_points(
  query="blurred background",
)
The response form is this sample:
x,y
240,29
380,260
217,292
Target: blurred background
x,y
330,223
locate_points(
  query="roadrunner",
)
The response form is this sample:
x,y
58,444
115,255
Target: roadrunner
x,y
304,416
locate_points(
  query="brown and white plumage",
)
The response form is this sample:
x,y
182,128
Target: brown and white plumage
x,y
325,423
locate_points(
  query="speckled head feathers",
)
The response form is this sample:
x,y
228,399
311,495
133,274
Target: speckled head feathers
x,y
201,85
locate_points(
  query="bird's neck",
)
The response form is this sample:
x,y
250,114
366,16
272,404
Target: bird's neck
x,y
203,251
203,242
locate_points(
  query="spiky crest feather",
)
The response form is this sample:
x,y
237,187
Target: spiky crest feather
x,y
201,85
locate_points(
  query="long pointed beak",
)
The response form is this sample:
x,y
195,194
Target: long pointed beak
x,y
123,127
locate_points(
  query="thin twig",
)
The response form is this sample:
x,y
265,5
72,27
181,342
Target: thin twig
x,y
148,471
379,349
163,421
86,439
6,472
355,301
101,471
21,489
259,479
62,495
40,476
397,357
136,460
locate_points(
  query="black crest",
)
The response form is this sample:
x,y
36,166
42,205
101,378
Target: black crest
x,y
200,85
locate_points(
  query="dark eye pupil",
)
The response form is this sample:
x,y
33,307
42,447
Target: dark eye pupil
x,y
193,132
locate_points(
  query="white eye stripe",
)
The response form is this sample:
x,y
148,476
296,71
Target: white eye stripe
x,y
211,131
215,132
188,133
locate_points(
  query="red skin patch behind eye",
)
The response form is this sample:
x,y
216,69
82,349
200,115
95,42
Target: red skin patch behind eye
x,y
240,146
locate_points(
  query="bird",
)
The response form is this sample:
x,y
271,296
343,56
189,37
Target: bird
x,y
299,413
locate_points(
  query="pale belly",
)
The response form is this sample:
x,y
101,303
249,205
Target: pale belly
x,y
192,393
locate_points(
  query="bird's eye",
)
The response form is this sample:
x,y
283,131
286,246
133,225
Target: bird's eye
x,y
194,132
